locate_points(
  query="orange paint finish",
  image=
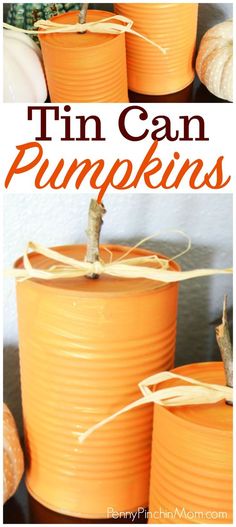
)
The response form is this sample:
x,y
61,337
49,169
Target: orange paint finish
x,y
85,67
192,456
84,346
173,27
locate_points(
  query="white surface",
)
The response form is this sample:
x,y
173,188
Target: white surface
x,y
211,14
149,165
58,219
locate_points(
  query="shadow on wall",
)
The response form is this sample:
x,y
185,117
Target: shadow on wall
x,y
196,338
11,383
194,325
211,14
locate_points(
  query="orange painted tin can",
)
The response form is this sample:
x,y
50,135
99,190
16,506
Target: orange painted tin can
x,y
191,474
84,346
173,27
85,67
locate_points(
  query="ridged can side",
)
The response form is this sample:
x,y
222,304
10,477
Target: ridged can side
x,y
192,465
82,355
85,67
174,28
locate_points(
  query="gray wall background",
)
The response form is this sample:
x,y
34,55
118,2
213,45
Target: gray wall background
x,y
60,219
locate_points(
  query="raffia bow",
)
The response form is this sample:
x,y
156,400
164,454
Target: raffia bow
x,y
106,25
197,393
123,267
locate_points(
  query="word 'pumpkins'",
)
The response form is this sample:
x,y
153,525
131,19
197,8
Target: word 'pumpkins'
x,y
214,63
24,79
13,461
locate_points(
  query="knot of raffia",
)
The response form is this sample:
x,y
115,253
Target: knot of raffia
x,y
151,267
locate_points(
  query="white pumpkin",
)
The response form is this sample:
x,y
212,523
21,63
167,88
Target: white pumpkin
x,y
24,78
214,64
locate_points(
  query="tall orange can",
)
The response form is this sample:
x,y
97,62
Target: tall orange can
x,y
84,346
191,474
174,28
85,67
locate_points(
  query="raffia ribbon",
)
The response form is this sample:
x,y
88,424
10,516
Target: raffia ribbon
x,y
197,393
106,25
122,267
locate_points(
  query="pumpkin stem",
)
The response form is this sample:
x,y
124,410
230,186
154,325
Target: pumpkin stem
x,y
83,13
225,345
95,221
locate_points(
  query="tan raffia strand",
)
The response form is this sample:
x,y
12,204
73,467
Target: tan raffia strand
x,y
195,393
123,267
108,25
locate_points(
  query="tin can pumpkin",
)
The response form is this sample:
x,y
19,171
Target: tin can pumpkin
x,y
191,474
84,346
85,67
173,27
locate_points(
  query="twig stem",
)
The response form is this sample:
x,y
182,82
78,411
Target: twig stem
x,y
225,345
95,221
83,13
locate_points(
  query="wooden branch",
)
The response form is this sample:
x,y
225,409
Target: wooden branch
x,y
83,13
95,221
225,345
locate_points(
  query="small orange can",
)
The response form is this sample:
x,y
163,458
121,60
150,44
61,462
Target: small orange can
x,y
84,346
191,474
174,28
85,67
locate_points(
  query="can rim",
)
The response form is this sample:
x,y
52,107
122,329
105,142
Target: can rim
x,y
89,294
111,37
191,424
